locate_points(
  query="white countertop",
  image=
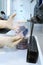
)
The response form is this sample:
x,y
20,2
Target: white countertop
x,y
18,57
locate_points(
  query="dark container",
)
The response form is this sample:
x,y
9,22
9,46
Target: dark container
x,y
32,52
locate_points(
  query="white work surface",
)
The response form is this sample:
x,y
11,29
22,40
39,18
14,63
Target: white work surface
x,y
18,57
